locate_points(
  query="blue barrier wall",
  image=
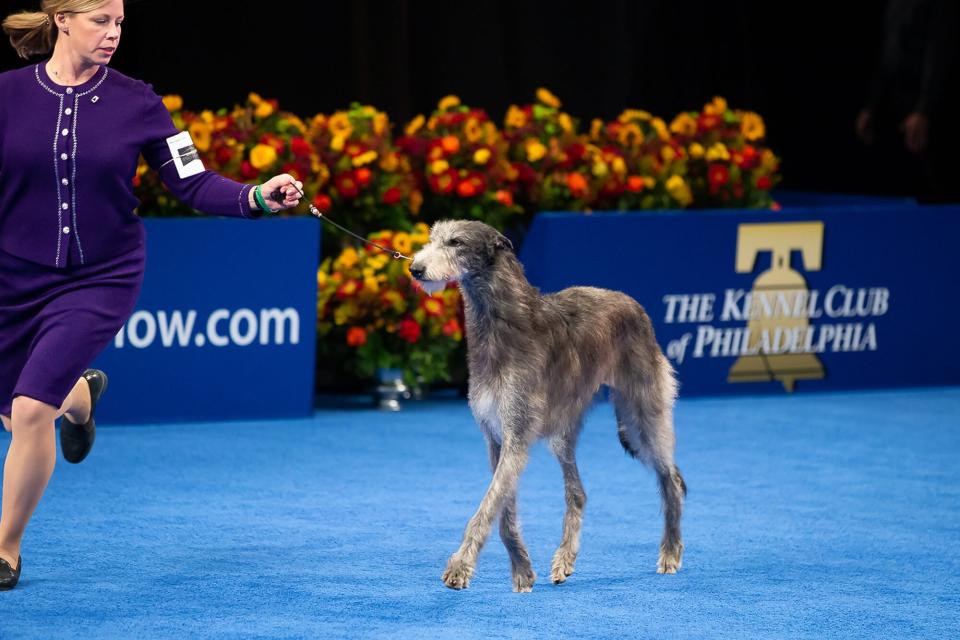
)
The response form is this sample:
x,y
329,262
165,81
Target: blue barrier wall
x,y
863,296
225,327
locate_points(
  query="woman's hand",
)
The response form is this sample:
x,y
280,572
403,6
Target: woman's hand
x,y
289,188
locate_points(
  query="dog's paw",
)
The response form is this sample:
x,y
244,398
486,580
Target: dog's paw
x,y
523,580
670,559
563,562
457,574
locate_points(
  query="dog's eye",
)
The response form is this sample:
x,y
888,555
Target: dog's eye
x,y
454,242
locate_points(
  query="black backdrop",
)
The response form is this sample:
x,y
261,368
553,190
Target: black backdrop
x,y
805,66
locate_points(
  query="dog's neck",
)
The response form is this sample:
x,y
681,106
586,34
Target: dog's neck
x,y
498,298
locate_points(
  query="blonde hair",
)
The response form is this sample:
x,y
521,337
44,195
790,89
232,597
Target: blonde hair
x,y
33,32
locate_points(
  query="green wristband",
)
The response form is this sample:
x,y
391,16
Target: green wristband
x,y
259,199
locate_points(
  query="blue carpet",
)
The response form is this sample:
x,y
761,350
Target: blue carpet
x,y
811,516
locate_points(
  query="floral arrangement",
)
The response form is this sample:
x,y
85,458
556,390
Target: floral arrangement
x,y
251,143
460,161
370,182
556,167
371,316
729,164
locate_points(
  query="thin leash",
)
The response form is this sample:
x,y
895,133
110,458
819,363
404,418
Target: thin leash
x,y
277,196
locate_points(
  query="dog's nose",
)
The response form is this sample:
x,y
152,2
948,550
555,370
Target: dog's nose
x,y
417,272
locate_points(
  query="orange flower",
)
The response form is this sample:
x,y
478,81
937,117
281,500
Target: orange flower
x,y
450,144
433,306
356,336
635,184
504,197
577,184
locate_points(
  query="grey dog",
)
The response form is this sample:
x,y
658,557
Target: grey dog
x,y
536,362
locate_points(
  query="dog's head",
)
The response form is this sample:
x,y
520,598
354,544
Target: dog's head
x,y
457,250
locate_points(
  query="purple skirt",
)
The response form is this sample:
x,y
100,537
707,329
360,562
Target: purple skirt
x,y
55,322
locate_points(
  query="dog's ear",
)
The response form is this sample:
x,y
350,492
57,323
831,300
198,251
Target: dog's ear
x,y
501,242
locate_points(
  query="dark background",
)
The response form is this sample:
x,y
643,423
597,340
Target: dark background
x,y
806,67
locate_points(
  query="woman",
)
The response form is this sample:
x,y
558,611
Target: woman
x,y
71,247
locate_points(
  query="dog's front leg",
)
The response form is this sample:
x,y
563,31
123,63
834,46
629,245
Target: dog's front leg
x,y
513,459
521,569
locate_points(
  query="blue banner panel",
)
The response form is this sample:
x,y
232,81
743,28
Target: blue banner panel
x,y
225,327
760,302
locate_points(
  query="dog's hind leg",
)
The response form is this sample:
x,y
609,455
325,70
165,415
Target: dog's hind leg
x,y
513,458
521,568
566,555
645,424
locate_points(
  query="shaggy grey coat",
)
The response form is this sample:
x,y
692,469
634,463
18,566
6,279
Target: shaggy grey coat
x,y
536,362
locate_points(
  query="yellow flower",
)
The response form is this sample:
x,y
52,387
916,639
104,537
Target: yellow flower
x,y
319,121
768,161
448,102
337,143
432,123
661,128
751,126
679,190
173,103
619,166
389,163
716,108
321,278
630,135
516,117
254,98
347,259
472,130
481,155
630,115
402,242
535,150
490,131
371,284
344,312
200,132
340,124
365,158
264,110
696,150
262,156
296,123
414,125
718,152
684,125
649,182
600,168
596,126
566,122
548,98
439,166
416,201
668,154
380,123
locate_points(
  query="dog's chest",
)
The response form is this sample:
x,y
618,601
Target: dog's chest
x,y
483,404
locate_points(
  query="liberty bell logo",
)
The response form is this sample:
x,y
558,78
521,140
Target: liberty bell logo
x,y
778,293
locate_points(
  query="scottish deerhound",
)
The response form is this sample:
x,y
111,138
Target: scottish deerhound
x,y
535,363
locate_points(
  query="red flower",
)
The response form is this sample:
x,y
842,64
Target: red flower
x,y
356,336
635,184
224,155
274,141
718,175
300,147
248,171
707,122
763,182
432,306
504,197
362,176
323,202
392,195
409,330
346,184
292,169
347,289
451,327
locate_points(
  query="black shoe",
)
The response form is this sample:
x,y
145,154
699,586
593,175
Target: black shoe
x,y
76,440
8,577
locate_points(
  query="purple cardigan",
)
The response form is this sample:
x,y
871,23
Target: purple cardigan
x,y
68,156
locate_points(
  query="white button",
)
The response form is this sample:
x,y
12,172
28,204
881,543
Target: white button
x,y
65,132
63,156
65,182
66,229
68,111
69,90
65,206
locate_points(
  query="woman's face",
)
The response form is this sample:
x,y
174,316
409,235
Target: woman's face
x,y
94,35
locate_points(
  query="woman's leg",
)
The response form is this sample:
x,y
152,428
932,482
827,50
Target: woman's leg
x,y
30,461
